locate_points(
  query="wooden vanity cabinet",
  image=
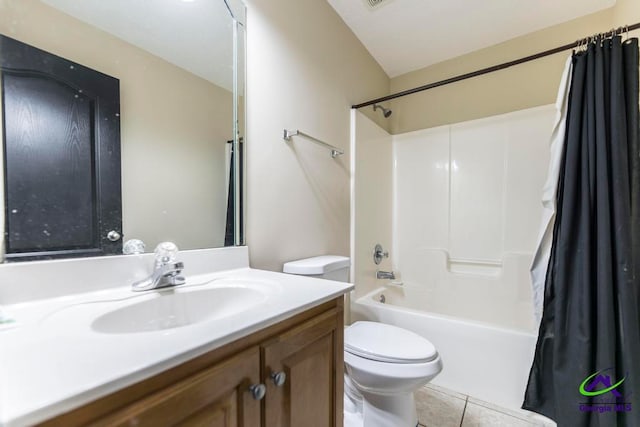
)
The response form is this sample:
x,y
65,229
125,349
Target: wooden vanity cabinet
x,y
298,363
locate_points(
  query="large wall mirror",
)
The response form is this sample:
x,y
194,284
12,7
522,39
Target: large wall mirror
x,y
121,119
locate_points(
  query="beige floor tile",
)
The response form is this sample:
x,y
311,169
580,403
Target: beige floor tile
x,y
446,391
532,417
480,416
437,409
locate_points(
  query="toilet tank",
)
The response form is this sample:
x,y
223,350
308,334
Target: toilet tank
x,y
330,267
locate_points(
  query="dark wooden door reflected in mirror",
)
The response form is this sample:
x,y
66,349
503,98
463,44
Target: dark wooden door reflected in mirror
x,y
62,184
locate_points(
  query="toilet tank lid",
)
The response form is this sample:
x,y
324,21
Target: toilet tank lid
x,y
316,265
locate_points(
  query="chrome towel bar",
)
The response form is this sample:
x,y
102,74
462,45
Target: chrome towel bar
x,y
335,151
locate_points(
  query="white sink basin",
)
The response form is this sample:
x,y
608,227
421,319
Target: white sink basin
x,y
178,307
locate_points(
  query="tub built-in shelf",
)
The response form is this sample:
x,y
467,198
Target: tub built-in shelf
x,y
475,267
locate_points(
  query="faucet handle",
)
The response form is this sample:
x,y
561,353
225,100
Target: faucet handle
x,y
174,267
166,253
379,253
133,247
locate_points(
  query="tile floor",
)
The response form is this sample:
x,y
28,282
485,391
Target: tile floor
x,y
440,407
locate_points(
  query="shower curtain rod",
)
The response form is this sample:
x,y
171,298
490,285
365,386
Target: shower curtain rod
x,y
487,70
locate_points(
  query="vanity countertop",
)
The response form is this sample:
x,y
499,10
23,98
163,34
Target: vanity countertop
x,y
52,361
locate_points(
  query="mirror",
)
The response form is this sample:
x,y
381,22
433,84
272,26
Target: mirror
x,y
180,68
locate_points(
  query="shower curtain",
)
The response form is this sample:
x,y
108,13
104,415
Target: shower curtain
x,y
231,201
586,368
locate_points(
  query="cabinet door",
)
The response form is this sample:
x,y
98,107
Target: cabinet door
x,y
216,397
310,356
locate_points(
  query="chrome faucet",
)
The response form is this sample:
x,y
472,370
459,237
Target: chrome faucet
x,y
166,270
385,275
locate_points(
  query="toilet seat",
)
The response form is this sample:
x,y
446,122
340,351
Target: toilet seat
x,y
387,343
389,378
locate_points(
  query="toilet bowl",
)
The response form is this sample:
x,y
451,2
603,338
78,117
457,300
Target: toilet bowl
x,y
384,364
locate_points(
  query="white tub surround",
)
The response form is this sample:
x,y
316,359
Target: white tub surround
x,y
492,293
53,360
467,210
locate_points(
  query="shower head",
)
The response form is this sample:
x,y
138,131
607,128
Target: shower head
x,y
385,111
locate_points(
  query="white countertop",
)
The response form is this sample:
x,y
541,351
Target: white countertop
x,y
52,361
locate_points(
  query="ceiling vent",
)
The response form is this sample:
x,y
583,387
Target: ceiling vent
x,y
376,4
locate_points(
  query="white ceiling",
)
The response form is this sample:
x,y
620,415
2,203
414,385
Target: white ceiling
x,y
406,35
195,35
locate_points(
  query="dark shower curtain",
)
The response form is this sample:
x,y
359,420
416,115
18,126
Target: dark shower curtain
x,y
231,201
586,369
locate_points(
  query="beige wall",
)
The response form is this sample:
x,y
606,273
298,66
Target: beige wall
x,y
523,86
373,202
305,69
174,128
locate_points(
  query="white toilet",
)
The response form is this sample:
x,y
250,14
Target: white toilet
x,y
384,364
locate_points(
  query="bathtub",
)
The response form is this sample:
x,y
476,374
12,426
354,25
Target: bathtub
x,y
482,360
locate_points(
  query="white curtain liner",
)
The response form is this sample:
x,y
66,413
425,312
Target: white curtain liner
x,y
549,193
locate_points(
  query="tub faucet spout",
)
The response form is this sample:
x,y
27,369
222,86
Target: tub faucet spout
x,y
385,275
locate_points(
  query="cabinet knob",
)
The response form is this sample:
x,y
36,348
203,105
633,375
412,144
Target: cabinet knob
x,y
279,378
258,391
